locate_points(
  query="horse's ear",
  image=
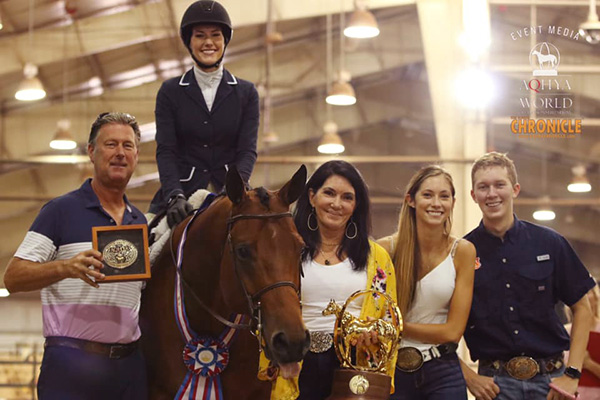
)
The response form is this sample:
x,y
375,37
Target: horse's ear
x,y
234,186
290,192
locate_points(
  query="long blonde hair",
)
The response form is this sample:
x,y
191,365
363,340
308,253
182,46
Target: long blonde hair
x,y
406,253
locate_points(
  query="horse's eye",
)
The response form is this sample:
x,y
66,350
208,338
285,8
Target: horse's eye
x,y
243,252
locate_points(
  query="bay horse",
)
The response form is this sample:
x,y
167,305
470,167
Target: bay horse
x,y
241,255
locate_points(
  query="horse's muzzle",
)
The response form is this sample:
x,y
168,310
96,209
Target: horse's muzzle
x,y
287,350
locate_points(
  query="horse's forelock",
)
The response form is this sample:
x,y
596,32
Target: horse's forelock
x,y
263,196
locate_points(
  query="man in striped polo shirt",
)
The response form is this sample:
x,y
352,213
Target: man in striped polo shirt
x,y
91,330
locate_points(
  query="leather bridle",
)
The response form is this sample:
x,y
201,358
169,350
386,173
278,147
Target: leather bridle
x,y
254,307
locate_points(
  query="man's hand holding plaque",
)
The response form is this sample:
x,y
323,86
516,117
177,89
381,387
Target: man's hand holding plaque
x,y
124,251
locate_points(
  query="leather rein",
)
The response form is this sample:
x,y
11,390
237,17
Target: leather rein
x,y
253,300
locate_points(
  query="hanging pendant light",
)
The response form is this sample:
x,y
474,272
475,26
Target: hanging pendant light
x,y
341,94
580,182
544,212
31,87
362,25
590,29
331,142
270,137
63,140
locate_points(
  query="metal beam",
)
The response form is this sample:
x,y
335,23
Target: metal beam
x,y
382,200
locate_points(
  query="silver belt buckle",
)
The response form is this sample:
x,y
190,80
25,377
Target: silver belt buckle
x,y
320,342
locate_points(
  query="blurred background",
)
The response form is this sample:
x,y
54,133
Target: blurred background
x,y
426,81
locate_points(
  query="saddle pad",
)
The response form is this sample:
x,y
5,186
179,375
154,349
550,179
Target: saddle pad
x,y
162,232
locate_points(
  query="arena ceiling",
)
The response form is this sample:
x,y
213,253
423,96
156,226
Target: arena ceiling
x,y
100,55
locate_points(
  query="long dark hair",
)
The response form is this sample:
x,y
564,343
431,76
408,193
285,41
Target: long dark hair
x,y
357,249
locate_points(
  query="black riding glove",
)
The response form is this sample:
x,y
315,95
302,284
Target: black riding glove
x,y
178,209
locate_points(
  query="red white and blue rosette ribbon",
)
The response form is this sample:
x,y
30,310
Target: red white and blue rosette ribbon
x,y
205,357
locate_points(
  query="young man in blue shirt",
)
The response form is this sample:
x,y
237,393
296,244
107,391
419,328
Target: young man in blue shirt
x,y
523,269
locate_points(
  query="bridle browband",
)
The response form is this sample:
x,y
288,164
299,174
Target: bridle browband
x,y
255,324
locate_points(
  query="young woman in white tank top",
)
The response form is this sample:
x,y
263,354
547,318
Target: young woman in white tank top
x,y
435,273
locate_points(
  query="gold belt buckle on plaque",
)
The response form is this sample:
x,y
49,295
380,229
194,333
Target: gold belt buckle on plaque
x,y
522,367
410,359
320,342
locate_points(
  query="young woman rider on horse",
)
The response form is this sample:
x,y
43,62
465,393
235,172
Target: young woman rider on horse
x,y
206,119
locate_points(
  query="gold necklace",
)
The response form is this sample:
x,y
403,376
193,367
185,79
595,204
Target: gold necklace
x,y
327,262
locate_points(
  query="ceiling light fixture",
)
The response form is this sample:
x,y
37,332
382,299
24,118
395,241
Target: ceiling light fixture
x,y
544,213
363,24
31,87
590,29
580,182
63,140
270,137
331,143
341,94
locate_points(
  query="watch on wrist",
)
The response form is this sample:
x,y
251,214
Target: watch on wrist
x,y
573,372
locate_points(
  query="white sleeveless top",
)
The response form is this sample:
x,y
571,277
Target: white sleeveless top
x,y
432,298
322,283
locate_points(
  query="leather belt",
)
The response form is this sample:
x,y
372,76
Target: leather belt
x,y
410,359
524,367
110,350
320,342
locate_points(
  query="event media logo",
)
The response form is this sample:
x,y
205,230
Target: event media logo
x,y
546,93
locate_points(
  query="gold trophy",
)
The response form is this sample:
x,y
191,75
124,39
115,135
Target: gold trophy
x,y
362,375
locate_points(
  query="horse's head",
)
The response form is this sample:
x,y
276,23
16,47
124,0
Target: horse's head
x,y
265,251
332,308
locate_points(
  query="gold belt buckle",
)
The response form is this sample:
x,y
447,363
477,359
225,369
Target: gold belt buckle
x,y
320,342
410,359
522,368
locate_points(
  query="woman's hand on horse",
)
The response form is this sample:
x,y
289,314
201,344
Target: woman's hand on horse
x,y
367,338
78,267
179,208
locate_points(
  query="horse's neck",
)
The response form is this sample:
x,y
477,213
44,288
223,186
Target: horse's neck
x,y
205,246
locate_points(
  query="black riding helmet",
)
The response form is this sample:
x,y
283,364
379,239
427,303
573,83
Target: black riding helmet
x,y
205,12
